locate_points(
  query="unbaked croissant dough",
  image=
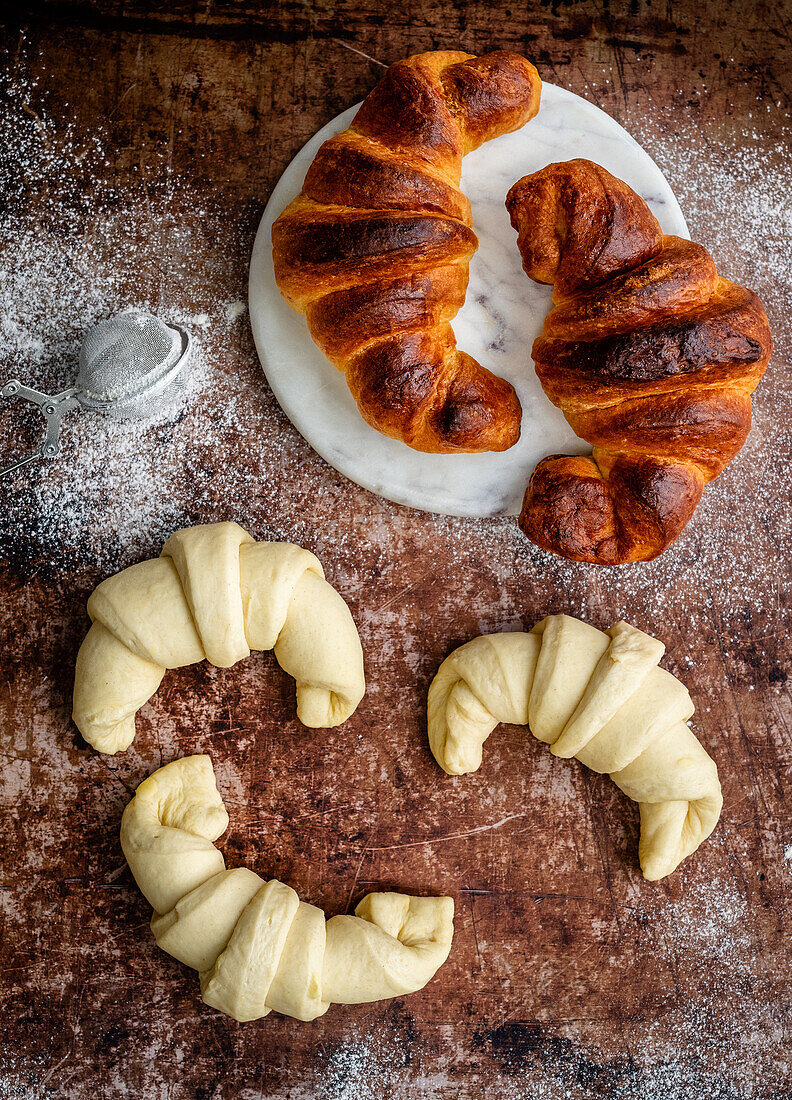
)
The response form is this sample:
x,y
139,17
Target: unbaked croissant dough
x,y
257,946
217,594
600,697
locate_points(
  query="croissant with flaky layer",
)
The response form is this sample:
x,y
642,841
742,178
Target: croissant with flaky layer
x,y
649,353
375,249
216,594
598,696
258,948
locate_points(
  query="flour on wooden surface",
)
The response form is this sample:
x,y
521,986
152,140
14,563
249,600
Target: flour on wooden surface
x,y
119,488
76,248
75,251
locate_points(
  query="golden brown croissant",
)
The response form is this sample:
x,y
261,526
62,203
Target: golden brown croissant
x,y
649,353
375,249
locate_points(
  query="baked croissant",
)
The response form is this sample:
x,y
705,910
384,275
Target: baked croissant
x,y
599,697
217,594
257,946
375,249
649,353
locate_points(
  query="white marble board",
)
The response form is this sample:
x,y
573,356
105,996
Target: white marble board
x,y
502,314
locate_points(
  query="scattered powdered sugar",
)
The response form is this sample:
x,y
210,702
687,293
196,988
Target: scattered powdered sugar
x,y
77,247
734,184
359,1068
93,248
710,918
76,250
234,310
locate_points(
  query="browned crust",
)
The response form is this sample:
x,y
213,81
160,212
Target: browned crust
x,y
577,225
350,171
634,514
651,356
318,251
375,249
676,280
491,95
407,111
712,345
435,398
386,308
712,425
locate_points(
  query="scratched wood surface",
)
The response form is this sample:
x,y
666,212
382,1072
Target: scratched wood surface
x,y
569,975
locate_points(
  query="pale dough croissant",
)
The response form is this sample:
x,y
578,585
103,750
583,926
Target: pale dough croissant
x,y
257,946
600,697
217,594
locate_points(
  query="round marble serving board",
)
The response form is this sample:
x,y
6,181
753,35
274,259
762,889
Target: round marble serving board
x,y
503,312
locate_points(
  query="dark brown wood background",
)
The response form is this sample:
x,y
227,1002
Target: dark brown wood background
x,y
569,976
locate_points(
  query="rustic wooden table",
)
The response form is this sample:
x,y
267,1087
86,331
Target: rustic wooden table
x,y
138,145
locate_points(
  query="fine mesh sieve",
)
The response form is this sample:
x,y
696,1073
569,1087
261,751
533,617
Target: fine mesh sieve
x,y
131,365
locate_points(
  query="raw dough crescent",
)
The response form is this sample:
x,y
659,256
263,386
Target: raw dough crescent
x,y
258,948
599,697
217,594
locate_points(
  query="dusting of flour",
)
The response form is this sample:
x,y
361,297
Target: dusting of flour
x,y
120,488
77,250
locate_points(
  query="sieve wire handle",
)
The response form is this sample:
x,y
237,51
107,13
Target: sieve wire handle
x,y
53,408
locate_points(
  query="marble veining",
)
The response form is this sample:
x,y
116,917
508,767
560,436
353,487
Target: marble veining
x,y
503,312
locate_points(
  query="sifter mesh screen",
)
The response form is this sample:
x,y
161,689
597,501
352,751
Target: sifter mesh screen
x,y
131,365
125,356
